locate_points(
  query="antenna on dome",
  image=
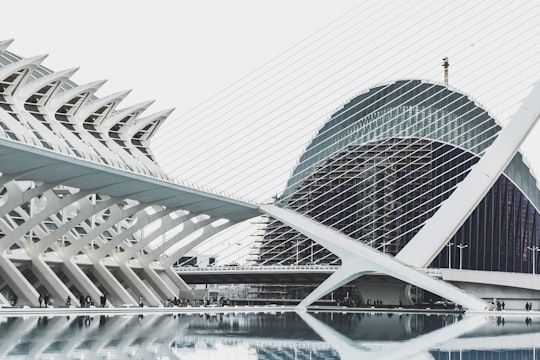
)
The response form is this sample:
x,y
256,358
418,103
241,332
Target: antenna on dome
x,y
445,65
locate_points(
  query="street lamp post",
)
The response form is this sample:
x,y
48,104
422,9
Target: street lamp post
x,y
461,247
450,254
534,250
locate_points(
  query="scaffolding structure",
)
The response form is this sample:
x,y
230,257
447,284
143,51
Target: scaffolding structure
x,y
360,192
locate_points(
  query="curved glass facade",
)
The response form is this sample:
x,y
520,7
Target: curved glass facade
x,y
381,167
409,108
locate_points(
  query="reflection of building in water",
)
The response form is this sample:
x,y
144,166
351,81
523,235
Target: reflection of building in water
x,y
266,336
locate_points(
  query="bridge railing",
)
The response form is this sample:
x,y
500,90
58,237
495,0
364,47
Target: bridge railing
x,y
430,271
284,268
255,268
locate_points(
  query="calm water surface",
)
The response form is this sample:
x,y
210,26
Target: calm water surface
x,y
312,336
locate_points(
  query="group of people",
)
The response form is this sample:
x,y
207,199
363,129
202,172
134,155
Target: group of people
x,y
174,302
44,300
88,301
84,301
528,306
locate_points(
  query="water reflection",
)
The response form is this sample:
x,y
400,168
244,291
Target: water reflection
x,y
323,335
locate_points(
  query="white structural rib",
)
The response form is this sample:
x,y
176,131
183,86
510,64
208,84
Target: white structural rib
x,y
4,44
110,102
144,128
31,87
123,116
358,259
438,230
62,98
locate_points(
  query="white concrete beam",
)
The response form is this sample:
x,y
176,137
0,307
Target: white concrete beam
x,y
136,284
114,287
176,279
158,284
48,278
455,210
81,281
17,282
357,257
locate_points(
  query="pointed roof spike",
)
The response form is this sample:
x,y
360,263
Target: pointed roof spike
x,y
92,106
32,73
145,120
60,98
4,44
120,114
29,63
35,60
157,118
32,86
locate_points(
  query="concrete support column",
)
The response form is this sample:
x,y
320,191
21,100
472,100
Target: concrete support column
x,y
4,301
177,280
158,284
18,282
113,286
48,278
129,276
79,278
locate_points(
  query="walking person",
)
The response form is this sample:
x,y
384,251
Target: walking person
x,y
141,304
40,299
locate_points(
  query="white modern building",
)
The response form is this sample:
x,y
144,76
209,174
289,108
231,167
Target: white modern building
x,y
86,210
384,164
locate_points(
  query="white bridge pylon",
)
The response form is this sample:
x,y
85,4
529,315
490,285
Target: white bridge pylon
x,y
425,245
359,259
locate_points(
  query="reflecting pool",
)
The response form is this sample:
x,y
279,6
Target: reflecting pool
x,y
281,335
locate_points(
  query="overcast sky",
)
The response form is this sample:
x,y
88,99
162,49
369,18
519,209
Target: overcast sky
x,y
176,52
303,60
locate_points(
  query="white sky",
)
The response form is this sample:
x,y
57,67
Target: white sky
x,y
176,52
180,53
